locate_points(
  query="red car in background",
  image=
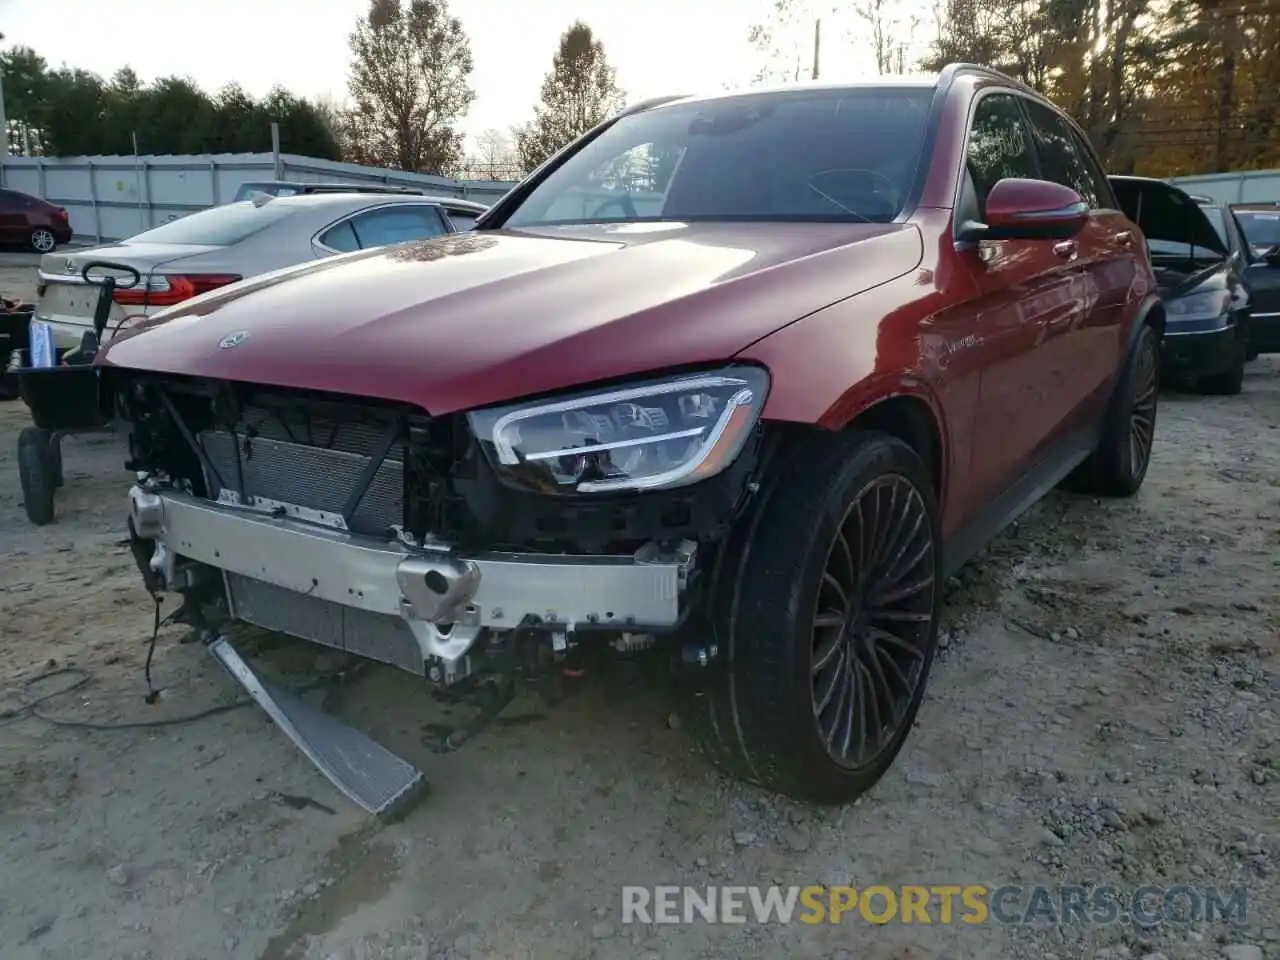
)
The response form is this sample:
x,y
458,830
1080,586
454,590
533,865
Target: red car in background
x,y
748,375
30,222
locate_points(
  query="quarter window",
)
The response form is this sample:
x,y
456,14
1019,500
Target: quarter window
x,y
1063,158
998,147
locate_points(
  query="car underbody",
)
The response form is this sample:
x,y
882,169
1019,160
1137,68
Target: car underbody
x,y
379,531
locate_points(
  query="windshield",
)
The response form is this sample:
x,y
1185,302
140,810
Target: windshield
x,y
218,226
842,155
1261,228
1185,251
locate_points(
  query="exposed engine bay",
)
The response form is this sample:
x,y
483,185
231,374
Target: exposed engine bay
x,y
375,529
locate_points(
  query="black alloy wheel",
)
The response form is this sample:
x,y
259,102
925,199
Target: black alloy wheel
x,y
873,621
1142,416
824,610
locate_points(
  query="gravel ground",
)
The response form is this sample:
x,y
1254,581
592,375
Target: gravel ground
x,y
1104,712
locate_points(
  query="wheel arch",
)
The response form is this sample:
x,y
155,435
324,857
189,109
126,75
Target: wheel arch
x,y
910,413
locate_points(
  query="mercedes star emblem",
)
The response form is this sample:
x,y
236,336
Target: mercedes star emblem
x,y
233,339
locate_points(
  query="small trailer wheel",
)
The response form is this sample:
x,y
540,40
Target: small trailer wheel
x,y
36,474
55,458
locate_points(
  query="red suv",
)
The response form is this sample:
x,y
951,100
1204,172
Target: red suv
x,y
746,375
31,222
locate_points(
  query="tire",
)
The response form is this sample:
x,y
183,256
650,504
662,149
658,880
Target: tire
x,y
36,475
42,240
1118,465
1230,381
754,710
1252,355
55,459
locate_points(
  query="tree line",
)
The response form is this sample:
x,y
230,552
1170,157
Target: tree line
x,y
409,89
67,112
1162,87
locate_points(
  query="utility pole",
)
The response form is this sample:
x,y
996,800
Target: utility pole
x,y
817,43
4,124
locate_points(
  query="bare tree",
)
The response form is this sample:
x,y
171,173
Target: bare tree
x,y
409,82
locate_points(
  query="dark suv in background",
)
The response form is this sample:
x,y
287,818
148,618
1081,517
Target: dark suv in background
x,y
1261,225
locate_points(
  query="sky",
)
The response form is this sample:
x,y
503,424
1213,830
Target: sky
x,y
657,46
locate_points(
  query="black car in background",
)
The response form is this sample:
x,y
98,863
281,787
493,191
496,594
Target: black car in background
x,y
1200,259
1260,223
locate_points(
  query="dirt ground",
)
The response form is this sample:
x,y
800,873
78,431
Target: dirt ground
x,y
1104,712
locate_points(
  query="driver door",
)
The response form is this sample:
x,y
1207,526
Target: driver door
x,y
1027,295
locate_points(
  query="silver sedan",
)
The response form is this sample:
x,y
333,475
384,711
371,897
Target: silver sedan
x,y
215,247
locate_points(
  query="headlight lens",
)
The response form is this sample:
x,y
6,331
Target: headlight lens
x,y
654,435
1211,303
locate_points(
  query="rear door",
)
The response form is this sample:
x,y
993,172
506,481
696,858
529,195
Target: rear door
x,y
1087,348
1027,294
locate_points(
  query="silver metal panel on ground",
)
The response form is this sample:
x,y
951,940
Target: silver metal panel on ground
x,y
366,772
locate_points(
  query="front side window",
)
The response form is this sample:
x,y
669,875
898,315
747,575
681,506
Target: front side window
x,y
828,155
1061,157
998,147
1261,228
463,220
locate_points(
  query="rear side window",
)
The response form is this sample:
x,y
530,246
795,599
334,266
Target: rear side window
x,y
384,225
1063,159
218,226
998,146
341,238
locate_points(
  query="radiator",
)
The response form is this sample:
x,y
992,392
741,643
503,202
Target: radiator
x,y
314,465
377,636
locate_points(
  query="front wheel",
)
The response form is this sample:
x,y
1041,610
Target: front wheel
x,y
825,616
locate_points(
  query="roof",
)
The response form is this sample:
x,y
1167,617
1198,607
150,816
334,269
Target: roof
x,y
319,201
884,81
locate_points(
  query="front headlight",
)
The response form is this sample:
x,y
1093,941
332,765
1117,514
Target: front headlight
x,y
653,435
1211,303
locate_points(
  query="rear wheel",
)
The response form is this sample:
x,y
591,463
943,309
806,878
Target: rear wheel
x,y
1230,381
36,474
1118,465
42,240
826,622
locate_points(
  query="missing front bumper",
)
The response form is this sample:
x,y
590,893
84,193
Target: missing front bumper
x,y
340,589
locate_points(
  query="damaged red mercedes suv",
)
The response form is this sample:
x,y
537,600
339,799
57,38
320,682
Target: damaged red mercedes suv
x,y
744,377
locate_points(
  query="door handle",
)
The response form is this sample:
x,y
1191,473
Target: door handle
x,y
1066,249
1124,238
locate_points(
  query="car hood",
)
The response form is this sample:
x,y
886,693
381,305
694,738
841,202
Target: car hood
x,y
472,319
1165,212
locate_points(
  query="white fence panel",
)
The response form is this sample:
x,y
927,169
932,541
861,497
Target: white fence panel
x,y
1249,187
110,198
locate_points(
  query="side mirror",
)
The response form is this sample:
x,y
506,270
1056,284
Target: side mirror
x,y
1272,257
1020,209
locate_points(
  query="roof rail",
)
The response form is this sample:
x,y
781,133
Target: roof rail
x,y
650,103
953,70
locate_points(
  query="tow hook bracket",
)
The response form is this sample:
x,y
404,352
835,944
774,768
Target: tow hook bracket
x,y
366,772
